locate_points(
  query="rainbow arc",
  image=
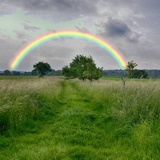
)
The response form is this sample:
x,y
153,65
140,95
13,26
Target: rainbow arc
x,y
68,34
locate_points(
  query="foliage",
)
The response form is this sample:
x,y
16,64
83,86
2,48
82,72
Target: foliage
x,y
7,73
135,73
115,73
42,68
13,73
66,71
54,73
130,67
16,73
34,72
139,74
153,73
109,73
83,68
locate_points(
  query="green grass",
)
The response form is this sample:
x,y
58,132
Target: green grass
x,y
53,118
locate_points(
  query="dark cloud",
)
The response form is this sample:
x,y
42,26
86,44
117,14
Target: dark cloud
x,y
118,28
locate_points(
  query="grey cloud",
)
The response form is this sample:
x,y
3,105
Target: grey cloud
x,y
4,37
4,9
83,29
20,35
60,8
133,37
8,50
31,28
57,56
83,6
118,28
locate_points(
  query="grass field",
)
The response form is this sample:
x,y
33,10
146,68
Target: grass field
x,y
52,118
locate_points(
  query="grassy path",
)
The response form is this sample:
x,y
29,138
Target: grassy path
x,y
73,127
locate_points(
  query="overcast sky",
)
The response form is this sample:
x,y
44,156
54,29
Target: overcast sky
x,y
132,26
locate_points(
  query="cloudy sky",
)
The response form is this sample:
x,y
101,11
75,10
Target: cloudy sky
x,y
131,26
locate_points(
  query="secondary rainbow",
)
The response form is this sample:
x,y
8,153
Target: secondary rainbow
x,y
68,34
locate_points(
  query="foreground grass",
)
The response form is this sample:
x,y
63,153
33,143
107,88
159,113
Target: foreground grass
x,y
53,118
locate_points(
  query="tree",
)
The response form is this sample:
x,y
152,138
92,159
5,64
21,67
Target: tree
x,y
139,74
42,68
83,68
66,71
7,73
130,68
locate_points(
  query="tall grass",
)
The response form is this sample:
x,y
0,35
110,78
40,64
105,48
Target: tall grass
x,y
139,102
137,110
22,100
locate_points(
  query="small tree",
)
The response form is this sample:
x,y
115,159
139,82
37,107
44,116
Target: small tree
x,y
42,68
130,68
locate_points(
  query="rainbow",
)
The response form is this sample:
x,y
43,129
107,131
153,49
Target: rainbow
x,y
68,34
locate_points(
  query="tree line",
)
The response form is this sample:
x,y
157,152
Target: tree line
x,y
84,68
34,72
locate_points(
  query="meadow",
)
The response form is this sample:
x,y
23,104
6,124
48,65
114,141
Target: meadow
x,y
53,118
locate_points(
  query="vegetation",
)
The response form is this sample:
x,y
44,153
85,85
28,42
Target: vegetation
x,y
42,68
105,73
7,73
83,68
139,74
135,73
130,68
53,118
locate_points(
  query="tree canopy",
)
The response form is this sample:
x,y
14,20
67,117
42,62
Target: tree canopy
x,y
42,68
83,68
7,73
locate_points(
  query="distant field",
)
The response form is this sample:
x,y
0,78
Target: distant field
x,y
53,118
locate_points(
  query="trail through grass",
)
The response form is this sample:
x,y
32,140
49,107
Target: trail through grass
x,y
79,121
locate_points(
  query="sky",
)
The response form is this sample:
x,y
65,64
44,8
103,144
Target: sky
x,y
131,26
